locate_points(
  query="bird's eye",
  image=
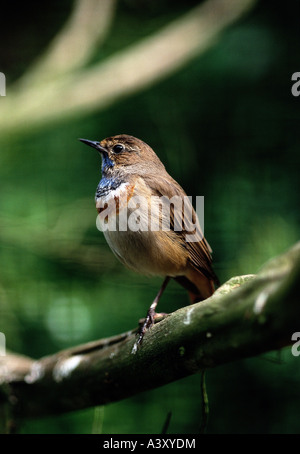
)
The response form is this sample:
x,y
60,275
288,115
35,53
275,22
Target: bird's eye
x,y
118,148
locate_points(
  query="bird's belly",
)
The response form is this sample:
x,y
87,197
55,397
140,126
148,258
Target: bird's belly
x,y
148,252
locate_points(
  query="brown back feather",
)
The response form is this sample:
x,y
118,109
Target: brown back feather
x,y
199,251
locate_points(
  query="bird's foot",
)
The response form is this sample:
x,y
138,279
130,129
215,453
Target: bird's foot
x,y
156,317
146,323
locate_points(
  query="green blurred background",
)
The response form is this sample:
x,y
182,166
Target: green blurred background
x,y
227,127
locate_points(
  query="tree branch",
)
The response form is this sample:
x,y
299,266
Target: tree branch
x,y
120,75
247,316
73,46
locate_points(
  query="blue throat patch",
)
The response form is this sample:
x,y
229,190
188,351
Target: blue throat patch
x,y
106,185
106,163
108,182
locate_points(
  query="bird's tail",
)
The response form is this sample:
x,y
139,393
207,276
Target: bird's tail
x,y
199,286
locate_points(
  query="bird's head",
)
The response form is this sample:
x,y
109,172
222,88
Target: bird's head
x,y
124,153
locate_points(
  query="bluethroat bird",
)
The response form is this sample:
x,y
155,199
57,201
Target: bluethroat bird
x,y
146,232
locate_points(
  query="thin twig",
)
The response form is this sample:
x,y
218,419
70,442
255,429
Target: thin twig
x,y
205,405
166,423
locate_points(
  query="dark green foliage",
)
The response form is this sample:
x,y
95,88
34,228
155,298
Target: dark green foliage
x,y
227,127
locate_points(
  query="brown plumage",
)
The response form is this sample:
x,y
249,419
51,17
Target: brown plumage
x,y
131,171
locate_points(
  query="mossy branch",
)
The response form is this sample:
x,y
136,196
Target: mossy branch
x,y
247,316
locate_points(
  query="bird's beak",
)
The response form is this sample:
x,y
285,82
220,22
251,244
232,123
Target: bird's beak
x,y
94,144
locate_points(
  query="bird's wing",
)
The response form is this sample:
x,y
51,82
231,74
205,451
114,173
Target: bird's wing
x,y
198,249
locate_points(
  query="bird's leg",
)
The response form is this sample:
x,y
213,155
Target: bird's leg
x,y
151,314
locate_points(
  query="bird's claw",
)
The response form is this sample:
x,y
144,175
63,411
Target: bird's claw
x,y
145,324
